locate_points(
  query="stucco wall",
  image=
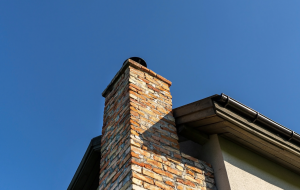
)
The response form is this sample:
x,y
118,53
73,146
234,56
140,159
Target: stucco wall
x,y
247,170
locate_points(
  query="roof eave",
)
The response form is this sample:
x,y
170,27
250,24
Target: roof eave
x,y
212,116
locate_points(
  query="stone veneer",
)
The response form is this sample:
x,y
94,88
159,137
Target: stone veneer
x,y
139,147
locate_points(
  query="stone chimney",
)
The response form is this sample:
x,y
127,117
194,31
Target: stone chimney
x,y
139,148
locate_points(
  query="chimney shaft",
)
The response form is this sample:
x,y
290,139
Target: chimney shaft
x,y
139,147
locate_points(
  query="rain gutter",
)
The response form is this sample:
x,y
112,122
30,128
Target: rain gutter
x,y
256,117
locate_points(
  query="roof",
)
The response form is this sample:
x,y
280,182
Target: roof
x,y
87,173
222,115
217,114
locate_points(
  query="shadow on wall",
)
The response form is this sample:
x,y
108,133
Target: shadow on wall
x,y
157,159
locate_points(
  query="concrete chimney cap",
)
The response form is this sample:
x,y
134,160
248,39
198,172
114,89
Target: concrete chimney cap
x,y
138,60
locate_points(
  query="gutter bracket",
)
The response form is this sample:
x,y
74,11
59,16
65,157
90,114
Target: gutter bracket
x,y
293,133
227,102
256,117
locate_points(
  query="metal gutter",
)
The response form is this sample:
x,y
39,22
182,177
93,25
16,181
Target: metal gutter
x,y
256,117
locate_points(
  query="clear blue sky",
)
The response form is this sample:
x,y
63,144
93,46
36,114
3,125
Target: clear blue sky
x,y
56,58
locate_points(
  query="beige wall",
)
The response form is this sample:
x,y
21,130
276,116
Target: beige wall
x,y
247,171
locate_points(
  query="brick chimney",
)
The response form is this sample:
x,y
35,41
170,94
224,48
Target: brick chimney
x,y
139,147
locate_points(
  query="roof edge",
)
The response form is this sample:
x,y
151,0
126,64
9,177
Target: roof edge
x,y
94,145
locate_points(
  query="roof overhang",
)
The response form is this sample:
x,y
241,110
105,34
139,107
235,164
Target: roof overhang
x,y
87,173
241,124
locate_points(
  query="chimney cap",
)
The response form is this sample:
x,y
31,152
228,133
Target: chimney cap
x,y
138,60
